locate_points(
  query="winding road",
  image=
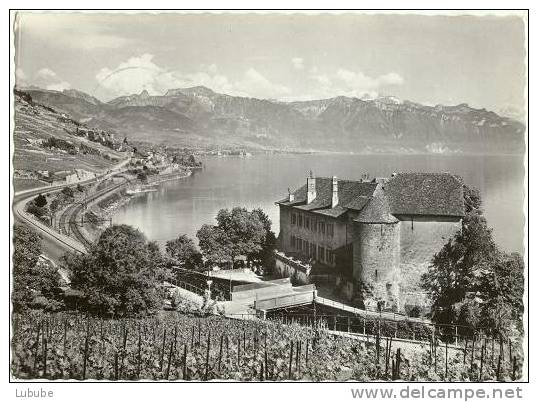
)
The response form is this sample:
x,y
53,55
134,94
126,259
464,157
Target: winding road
x,y
55,244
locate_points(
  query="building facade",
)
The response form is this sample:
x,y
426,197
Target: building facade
x,y
377,237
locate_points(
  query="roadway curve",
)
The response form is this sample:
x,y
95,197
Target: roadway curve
x,y
54,245
70,217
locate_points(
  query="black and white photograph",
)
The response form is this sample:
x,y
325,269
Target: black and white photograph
x,y
268,196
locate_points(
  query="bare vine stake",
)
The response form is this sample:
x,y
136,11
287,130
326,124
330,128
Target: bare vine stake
x,y
207,355
514,368
291,359
501,347
65,341
377,347
510,348
266,367
244,342
36,354
492,349
398,362
185,362
162,351
465,351
192,337
387,358
298,357
499,367
481,360
261,371
139,354
44,356
124,348
306,353
199,332
169,360
116,365
238,351
472,352
220,351
446,360
86,342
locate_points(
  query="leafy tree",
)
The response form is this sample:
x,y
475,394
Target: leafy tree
x,y
266,255
33,209
119,275
54,205
142,176
215,244
502,289
68,191
40,201
238,232
36,283
471,282
183,252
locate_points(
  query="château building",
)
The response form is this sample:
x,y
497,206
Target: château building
x,y
375,238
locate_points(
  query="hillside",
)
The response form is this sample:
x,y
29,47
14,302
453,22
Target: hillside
x,y
48,140
200,116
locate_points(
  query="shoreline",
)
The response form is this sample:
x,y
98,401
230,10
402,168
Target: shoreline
x,y
121,199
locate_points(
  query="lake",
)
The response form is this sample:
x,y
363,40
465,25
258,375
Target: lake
x,y
182,206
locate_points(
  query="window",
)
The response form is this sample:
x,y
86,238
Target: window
x,y
321,253
293,242
314,225
300,220
330,229
322,227
307,222
293,219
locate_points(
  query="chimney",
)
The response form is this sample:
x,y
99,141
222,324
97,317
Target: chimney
x,y
334,201
291,197
310,188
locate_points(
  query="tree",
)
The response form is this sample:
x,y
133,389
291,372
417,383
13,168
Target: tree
x,y
120,274
238,232
470,281
215,244
36,283
142,176
40,201
183,252
502,289
68,192
266,254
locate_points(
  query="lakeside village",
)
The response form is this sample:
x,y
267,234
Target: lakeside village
x,y
395,278
146,158
353,265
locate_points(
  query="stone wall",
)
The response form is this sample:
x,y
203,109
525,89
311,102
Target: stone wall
x,y
420,240
285,267
376,261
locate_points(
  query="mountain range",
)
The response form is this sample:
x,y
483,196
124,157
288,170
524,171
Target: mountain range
x,y
198,116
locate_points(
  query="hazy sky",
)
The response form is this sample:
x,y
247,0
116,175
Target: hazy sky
x,y
427,59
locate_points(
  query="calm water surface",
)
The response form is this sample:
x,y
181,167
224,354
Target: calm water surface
x,y
183,206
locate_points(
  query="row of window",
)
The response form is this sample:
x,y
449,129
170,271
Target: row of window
x,y
312,250
314,225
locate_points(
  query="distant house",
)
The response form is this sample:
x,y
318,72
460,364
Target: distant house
x,y
375,237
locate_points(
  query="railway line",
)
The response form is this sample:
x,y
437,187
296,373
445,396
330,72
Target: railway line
x,y
69,220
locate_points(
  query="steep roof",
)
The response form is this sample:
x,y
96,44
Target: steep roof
x,y
351,195
377,210
425,194
378,200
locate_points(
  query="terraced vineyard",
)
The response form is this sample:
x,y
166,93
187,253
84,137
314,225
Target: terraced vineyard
x,y
175,346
